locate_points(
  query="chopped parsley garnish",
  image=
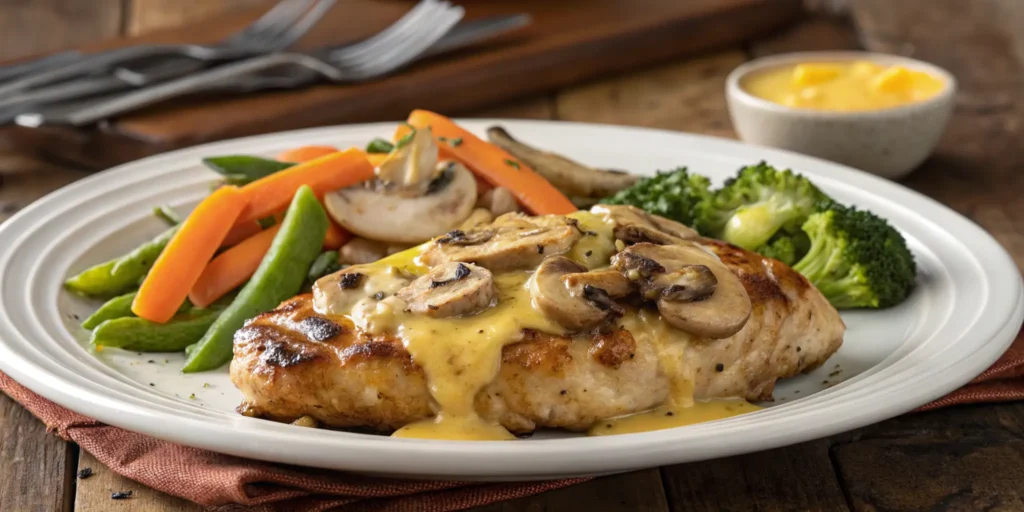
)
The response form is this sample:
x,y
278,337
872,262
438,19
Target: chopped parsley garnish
x,y
456,142
512,163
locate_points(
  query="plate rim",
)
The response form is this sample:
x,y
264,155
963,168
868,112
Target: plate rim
x,y
1002,337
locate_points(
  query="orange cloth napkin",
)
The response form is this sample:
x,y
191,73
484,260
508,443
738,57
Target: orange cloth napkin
x,y
214,479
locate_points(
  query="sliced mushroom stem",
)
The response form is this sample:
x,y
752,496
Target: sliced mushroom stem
x,y
571,177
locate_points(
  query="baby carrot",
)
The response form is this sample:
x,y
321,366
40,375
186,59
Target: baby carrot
x,y
186,255
494,165
305,153
231,268
325,174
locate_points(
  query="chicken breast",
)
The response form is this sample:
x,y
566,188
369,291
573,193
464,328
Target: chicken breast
x,y
293,362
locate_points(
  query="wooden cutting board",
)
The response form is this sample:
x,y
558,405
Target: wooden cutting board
x,y
568,42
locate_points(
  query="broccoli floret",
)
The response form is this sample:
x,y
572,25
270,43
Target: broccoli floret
x,y
857,259
670,194
756,204
781,248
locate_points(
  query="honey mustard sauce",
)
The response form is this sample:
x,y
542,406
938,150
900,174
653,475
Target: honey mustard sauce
x,y
462,355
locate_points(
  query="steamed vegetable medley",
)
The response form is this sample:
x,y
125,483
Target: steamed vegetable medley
x,y
271,227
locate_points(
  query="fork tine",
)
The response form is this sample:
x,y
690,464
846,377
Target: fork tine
x,y
281,15
295,32
417,42
386,36
400,39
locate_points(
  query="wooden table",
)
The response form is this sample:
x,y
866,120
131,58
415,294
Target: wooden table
x,y
962,458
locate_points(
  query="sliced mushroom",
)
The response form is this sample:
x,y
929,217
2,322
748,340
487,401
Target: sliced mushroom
x,y
633,226
575,308
714,309
572,178
611,281
340,292
380,214
411,167
361,250
511,242
450,289
688,284
498,201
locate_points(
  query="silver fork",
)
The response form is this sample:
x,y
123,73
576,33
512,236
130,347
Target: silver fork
x,y
279,27
421,31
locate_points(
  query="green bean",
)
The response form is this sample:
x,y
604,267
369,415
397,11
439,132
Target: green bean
x,y
379,146
118,307
121,274
243,169
279,277
167,214
324,264
121,306
141,335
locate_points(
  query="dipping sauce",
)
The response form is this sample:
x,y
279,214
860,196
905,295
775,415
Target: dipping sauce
x,y
843,86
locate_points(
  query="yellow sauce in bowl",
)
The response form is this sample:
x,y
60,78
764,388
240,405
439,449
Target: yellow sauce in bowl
x,y
843,86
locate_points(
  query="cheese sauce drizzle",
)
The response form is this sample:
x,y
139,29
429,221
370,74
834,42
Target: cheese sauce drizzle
x,y
460,356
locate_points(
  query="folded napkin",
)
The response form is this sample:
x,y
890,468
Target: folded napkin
x,y
214,479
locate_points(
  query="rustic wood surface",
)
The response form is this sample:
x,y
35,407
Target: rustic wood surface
x,y
961,458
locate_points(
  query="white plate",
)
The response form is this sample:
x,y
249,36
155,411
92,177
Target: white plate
x,y
962,316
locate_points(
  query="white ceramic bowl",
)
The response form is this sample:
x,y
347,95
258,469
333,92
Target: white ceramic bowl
x,y
888,142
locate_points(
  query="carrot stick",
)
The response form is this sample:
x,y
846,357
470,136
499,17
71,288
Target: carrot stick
x,y
240,232
376,158
231,268
325,174
305,153
336,236
494,165
179,265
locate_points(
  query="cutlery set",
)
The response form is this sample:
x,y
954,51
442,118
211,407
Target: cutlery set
x,y
77,89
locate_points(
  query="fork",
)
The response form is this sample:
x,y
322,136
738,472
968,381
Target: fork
x,y
422,31
278,28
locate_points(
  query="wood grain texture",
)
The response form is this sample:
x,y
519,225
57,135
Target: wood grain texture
x,y
150,15
966,458
794,478
686,96
976,168
94,493
36,467
568,42
636,491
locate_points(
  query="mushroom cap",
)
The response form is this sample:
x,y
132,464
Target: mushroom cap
x,y
378,215
575,308
719,315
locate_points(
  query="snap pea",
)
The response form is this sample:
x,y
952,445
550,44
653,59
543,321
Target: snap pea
x,y
244,169
279,277
118,307
326,263
141,335
167,214
121,306
379,146
121,274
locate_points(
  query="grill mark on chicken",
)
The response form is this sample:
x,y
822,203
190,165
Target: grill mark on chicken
x,y
278,354
355,380
318,328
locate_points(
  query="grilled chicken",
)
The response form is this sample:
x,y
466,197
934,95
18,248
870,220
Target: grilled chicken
x,y
744,321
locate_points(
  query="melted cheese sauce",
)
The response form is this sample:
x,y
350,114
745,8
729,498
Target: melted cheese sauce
x,y
460,356
843,86
680,409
